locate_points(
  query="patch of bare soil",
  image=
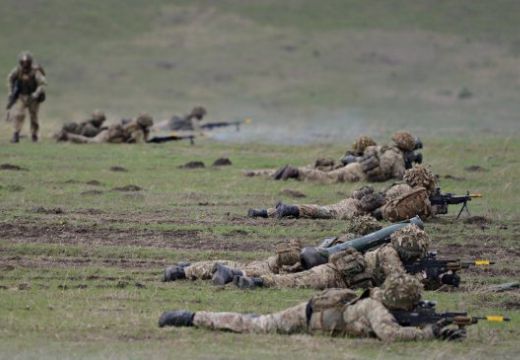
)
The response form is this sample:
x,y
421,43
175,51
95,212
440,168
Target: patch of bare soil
x,y
192,165
42,210
222,162
12,167
475,168
127,188
13,188
91,192
118,169
292,193
456,178
83,235
478,220
94,183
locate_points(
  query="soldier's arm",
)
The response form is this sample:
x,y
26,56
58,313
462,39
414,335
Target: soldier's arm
x,y
42,83
11,78
389,261
385,326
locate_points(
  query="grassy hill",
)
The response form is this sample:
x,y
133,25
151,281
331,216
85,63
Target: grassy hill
x,y
302,69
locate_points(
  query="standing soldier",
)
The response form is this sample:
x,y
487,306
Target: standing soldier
x,y
26,85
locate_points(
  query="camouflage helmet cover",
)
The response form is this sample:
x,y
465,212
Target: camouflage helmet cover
x,y
362,143
410,242
362,225
420,175
404,140
25,56
199,112
401,291
145,120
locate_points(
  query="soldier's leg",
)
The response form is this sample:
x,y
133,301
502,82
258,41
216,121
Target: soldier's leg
x,y
33,108
17,114
349,173
204,269
290,321
319,277
260,172
345,209
312,211
310,174
102,137
261,267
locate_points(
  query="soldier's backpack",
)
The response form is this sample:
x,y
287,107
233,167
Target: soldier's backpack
x,y
406,206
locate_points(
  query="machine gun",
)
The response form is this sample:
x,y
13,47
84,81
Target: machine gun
x,y
441,201
314,256
172,137
215,125
442,271
424,314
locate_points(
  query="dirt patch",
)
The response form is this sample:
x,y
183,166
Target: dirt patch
x,y
94,183
127,188
292,193
91,192
456,178
193,165
118,169
42,210
12,188
222,162
478,220
475,168
71,181
12,167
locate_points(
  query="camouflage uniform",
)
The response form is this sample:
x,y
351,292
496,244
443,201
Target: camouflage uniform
x,y
88,128
374,163
135,131
189,122
203,270
349,268
332,312
31,82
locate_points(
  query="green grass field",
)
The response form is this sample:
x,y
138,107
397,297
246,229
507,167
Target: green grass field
x,y
81,260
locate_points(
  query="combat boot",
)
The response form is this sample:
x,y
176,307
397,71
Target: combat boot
x,y
223,275
278,173
34,138
62,136
257,213
176,318
290,172
175,272
284,210
16,138
244,282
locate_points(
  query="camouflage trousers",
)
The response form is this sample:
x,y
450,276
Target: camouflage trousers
x,y
344,210
350,173
319,277
102,137
204,269
288,321
18,112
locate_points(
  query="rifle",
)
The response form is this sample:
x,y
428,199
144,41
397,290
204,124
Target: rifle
x,y
443,200
13,96
215,125
425,314
436,270
172,137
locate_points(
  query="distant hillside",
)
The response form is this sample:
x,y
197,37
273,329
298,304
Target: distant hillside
x,y
308,70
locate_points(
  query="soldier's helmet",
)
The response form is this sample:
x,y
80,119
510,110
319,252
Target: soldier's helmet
x,y
405,141
401,292
362,225
145,120
25,59
361,143
199,112
410,242
420,175
98,117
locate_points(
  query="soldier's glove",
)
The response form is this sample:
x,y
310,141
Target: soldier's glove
x,y
176,318
369,161
451,334
370,202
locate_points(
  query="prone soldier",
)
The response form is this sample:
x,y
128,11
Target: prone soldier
x,y
134,131
88,128
334,312
188,122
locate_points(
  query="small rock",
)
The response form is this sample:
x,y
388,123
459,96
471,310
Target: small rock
x,y
11,167
127,188
293,193
475,168
92,192
193,165
94,183
118,169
